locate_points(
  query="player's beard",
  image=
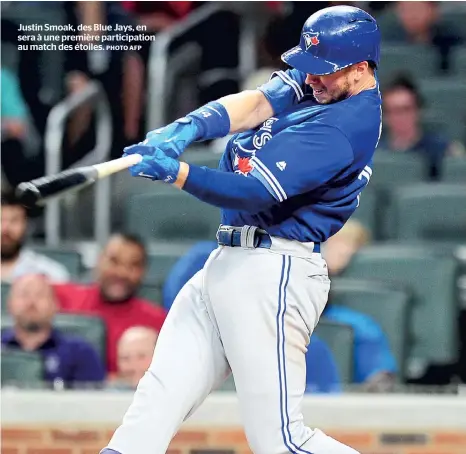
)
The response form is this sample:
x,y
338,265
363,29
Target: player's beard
x,y
336,95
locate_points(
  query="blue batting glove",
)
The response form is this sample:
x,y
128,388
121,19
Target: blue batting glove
x,y
155,165
174,138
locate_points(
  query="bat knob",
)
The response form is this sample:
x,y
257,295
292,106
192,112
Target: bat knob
x,y
28,194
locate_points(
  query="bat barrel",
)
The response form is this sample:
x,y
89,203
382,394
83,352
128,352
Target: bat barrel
x,y
37,191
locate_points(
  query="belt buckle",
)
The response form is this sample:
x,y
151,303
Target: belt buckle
x,y
226,231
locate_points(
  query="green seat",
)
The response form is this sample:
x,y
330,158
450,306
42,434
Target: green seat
x,y
446,96
173,216
392,170
151,292
340,339
365,212
69,258
159,265
90,328
454,170
387,304
431,275
428,211
22,369
201,158
459,60
407,59
4,296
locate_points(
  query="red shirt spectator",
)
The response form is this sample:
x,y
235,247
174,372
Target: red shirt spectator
x,y
119,273
118,317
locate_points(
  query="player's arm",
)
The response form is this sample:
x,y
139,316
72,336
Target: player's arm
x,y
250,108
246,109
231,114
311,156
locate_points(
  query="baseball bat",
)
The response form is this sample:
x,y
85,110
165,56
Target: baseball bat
x,y
37,192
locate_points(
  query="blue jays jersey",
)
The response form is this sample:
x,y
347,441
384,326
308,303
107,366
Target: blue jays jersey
x,y
314,159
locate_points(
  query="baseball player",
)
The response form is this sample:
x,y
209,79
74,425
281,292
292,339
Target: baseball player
x,y
290,177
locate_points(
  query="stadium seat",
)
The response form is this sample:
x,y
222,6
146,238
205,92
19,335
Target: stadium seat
x,y
428,211
159,265
459,60
366,211
173,216
387,304
201,158
392,170
443,97
422,61
90,328
151,292
340,339
4,296
430,274
68,258
454,170
22,369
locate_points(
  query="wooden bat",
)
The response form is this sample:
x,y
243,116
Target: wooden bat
x,y
38,191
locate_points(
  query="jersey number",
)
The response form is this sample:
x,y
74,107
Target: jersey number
x,y
366,173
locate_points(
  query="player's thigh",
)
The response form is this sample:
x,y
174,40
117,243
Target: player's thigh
x,y
269,308
188,343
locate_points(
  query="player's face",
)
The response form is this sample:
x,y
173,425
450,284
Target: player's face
x,y
121,270
32,303
14,225
331,88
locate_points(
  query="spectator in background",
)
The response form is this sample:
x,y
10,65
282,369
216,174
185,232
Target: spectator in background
x,y
420,23
374,364
321,370
18,136
17,259
68,360
340,248
135,349
119,274
404,133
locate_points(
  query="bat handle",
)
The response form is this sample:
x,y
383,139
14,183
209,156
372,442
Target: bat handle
x,y
110,167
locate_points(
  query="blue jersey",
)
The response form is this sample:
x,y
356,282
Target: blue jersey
x,y
314,159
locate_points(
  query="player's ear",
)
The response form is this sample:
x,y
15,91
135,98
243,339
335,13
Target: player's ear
x,y
360,69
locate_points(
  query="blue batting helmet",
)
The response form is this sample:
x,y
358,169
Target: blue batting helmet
x,y
334,38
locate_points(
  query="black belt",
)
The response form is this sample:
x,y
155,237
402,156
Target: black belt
x,y
248,237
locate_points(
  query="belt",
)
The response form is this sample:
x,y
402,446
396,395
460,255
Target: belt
x,y
248,236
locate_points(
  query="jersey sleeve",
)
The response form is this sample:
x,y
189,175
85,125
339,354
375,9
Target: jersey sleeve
x,y
284,89
300,159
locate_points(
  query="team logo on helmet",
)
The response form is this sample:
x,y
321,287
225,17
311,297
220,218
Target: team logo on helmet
x,y
311,39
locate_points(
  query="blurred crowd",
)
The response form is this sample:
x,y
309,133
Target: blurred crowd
x,y
42,292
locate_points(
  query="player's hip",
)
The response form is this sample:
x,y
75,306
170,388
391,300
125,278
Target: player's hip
x,y
252,238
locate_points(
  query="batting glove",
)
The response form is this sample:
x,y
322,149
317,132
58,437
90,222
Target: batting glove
x,y
174,138
155,165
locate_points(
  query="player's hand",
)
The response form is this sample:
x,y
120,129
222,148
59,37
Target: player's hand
x,y
155,165
174,138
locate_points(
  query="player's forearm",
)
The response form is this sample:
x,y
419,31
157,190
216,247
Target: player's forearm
x,y
246,109
224,190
